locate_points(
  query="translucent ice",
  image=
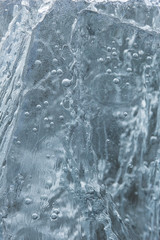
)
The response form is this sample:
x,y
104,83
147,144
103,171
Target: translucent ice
x,y
79,120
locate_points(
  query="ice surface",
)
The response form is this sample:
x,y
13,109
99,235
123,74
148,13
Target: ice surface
x,y
79,120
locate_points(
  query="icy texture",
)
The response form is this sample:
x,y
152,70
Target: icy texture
x,y
79,120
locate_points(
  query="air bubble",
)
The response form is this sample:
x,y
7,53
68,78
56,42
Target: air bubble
x,y
44,197
59,71
38,62
34,216
45,102
141,52
154,139
135,55
48,184
51,123
61,117
39,50
129,69
149,59
53,72
26,114
55,60
125,114
38,106
135,45
126,221
109,71
34,129
66,82
54,216
116,80
56,211
100,60
28,201
18,84
114,54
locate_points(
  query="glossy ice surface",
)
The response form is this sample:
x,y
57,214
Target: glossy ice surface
x,y
79,120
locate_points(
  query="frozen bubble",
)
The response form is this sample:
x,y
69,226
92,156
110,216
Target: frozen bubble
x,y
108,59
61,117
48,184
141,52
38,106
51,123
39,50
135,45
116,80
153,139
46,119
26,114
100,60
55,60
18,84
38,62
59,71
55,210
34,216
28,201
149,59
109,49
126,221
18,142
135,55
53,72
125,114
66,82
34,129
48,156
129,69
44,197
54,216
114,54
130,166
109,71
45,102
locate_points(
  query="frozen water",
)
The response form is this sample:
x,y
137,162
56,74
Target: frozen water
x,y
79,120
